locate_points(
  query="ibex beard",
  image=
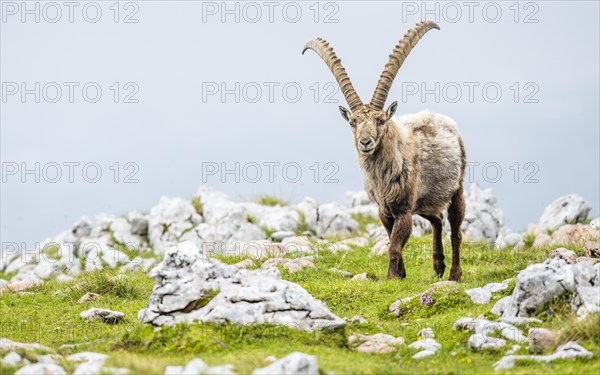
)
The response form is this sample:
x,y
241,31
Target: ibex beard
x,y
413,164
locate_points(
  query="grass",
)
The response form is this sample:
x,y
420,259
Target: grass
x,y
267,231
269,200
302,225
364,220
197,203
51,318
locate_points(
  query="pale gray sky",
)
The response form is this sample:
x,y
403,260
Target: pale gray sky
x,y
178,53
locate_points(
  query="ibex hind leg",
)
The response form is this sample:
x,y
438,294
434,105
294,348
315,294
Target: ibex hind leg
x,y
456,214
438,248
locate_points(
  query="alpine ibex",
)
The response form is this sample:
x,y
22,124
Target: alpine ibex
x,y
411,165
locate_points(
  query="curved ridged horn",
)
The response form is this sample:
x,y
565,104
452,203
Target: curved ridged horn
x,y
396,60
321,47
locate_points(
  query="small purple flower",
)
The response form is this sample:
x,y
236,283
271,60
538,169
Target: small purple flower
x,y
219,342
425,299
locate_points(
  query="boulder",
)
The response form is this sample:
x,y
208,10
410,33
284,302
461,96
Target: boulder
x,y
479,342
507,239
541,339
169,220
122,232
537,285
12,359
275,218
89,296
377,343
426,333
309,210
105,315
381,247
542,240
360,277
41,369
334,220
574,234
87,357
486,328
479,296
540,283
496,287
570,350
569,209
567,255
591,249
483,221
426,344
18,286
586,297
292,265
500,306
191,287
292,364
246,263
281,235
357,319
257,249
6,345
423,354
89,368
358,198
356,241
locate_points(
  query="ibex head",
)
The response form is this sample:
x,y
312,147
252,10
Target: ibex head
x,y
369,121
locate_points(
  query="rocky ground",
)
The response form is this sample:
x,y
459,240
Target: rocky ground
x,y
210,285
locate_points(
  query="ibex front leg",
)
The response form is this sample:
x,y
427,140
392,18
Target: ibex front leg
x,y
400,234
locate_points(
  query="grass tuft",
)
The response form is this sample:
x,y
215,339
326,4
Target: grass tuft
x,y
269,200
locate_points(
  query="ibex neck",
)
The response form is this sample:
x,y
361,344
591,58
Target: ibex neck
x,y
388,154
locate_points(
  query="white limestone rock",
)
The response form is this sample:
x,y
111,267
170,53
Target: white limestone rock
x,y
292,364
191,287
569,209
7,345
426,344
479,296
537,285
479,342
105,315
483,219
12,359
41,369
334,220
569,351
169,220
292,265
377,343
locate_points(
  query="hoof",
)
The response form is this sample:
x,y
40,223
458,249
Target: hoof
x,y
391,276
439,270
455,275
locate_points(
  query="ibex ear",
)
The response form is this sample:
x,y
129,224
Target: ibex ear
x,y
391,109
345,113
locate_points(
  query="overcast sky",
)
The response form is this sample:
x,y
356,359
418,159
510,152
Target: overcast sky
x,y
522,82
